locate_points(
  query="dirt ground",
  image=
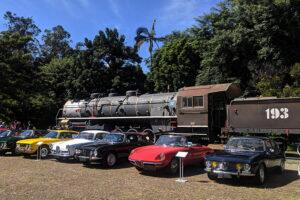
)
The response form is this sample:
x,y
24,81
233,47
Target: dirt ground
x,y
48,179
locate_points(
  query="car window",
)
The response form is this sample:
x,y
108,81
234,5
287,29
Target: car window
x,y
268,145
40,133
99,136
65,135
275,147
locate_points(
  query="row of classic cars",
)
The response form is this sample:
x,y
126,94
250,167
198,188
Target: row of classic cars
x,y
242,156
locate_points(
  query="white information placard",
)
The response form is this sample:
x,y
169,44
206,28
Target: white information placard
x,y
181,154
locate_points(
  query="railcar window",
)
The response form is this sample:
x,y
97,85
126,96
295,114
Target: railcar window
x,y
187,101
198,101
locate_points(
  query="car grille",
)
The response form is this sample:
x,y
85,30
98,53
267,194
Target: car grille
x,y
85,152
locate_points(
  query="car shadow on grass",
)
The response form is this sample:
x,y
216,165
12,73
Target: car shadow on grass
x,y
119,165
188,172
273,181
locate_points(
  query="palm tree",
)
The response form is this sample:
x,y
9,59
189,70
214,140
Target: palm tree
x,y
144,35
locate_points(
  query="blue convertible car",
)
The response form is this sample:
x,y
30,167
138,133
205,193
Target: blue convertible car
x,y
246,156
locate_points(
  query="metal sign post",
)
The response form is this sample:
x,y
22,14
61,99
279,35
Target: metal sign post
x,y
298,151
181,155
38,153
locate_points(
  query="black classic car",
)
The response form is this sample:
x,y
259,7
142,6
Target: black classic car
x,y
246,156
110,149
9,138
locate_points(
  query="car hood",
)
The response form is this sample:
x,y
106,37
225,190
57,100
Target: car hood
x,y
63,145
7,139
97,145
242,157
151,153
36,140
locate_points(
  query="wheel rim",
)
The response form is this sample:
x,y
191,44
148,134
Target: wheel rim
x,y
111,159
174,165
261,174
44,152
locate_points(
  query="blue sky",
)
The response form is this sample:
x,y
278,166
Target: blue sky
x,y
84,18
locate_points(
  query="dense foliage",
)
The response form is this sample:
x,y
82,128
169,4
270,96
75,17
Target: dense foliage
x,y
37,77
252,42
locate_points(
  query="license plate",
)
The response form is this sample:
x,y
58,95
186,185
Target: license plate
x,y
83,159
224,176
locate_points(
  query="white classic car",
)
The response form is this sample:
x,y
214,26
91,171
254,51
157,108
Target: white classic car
x,y
66,149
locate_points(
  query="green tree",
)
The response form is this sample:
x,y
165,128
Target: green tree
x,y
176,64
56,43
104,63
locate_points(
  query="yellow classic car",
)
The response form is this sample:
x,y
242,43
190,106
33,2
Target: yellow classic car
x,y
40,146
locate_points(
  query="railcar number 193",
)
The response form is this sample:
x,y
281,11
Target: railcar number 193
x,y
277,113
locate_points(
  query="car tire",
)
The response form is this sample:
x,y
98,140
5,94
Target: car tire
x,y
280,169
14,152
2,153
261,175
139,169
43,152
110,160
174,166
212,176
26,155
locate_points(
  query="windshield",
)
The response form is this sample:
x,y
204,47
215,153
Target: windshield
x,y
25,134
244,144
51,134
171,140
114,137
5,133
86,135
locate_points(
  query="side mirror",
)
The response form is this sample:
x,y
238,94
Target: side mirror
x,y
189,144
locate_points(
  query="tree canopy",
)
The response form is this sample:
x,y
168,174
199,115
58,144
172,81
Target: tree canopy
x,y
254,43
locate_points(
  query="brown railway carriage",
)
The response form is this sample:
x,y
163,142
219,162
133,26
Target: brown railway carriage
x,y
202,109
264,116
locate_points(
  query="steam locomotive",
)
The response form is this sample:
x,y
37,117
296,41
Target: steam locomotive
x,y
212,112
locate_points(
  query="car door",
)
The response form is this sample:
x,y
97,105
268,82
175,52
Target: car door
x,y
270,154
123,149
277,154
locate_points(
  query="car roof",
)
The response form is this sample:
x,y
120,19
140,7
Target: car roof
x,y
252,137
95,131
64,131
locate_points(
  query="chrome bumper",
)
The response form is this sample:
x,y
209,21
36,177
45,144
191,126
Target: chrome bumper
x,y
89,159
216,171
61,154
151,166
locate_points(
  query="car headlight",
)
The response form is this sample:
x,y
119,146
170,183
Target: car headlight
x,y
214,164
77,151
18,145
162,156
223,165
239,166
247,167
2,145
95,153
208,164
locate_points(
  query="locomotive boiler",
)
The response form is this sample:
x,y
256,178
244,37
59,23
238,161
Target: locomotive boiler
x,y
147,111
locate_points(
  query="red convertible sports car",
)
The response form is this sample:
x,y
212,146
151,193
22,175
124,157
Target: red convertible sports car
x,y
162,154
